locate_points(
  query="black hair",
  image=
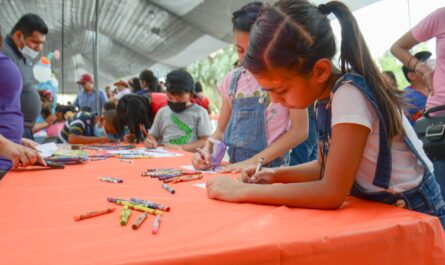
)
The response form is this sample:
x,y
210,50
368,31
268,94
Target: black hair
x,y
109,105
151,80
111,118
46,110
64,109
135,84
198,87
295,34
29,23
86,109
133,110
245,17
422,56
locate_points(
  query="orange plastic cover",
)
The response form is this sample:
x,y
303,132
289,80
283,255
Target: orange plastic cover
x,y
37,226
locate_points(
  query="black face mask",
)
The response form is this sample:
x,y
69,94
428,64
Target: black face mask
x,y
177,106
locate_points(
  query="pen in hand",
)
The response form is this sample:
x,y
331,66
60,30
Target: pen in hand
x,y
259,166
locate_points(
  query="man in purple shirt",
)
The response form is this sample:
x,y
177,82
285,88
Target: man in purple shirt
x,y
12,154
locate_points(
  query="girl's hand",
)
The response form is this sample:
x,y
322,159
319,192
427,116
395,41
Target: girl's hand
x,y
235,168
201,159
264,176
149,143
223,188
129,138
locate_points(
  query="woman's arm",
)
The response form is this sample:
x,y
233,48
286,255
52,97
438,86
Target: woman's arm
x,y
345,155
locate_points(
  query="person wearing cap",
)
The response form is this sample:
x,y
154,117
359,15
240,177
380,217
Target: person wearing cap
x,y
122,90
23,45
87,97
182,124
417,92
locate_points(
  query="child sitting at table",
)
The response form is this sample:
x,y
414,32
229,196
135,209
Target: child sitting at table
x,y
86,128
182,124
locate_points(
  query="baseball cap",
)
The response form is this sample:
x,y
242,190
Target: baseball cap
x,y
179,80
85,78
121,83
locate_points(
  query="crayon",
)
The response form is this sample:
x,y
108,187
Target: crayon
x,y
139,221
168,188
125,215
156,224
112,180
182,179
135,206
93,214
126,161
260,165
150,204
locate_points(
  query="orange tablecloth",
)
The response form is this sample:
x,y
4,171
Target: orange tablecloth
x,y
37,226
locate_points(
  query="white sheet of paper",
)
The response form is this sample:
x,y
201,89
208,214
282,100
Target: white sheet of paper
x,y
47,150
200,185
157,152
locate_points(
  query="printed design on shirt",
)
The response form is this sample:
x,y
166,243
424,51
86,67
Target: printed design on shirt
x,y
257,93
183,127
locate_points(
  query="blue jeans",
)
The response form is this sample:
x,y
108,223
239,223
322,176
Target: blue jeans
x,y
425,198
439,172
308,150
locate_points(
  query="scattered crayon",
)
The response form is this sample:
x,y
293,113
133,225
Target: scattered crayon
x,y
135,206
127,161
125,215
112,180
139,221
93,214
150,204
156,224
182,179
168,188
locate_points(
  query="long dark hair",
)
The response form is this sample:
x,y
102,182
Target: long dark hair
x,y
133,110
245,17
294,34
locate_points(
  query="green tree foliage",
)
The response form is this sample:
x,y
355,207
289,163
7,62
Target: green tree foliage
x,y
211,71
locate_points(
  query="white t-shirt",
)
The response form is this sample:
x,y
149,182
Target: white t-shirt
x,y
122,93
349,105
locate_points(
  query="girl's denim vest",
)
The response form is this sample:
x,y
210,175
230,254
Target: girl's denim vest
x,y
245,134
425,198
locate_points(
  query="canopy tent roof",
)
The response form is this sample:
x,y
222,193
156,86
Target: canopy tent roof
x,y
132,34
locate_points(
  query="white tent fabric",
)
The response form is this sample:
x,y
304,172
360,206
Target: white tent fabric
x,y
132,34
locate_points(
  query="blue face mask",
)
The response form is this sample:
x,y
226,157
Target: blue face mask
x,y
99,132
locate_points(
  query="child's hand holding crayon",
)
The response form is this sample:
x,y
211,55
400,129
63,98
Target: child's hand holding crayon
x,y
201,159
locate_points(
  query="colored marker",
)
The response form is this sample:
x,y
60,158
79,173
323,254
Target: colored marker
x,y
156,224
150,204
168,188
139,221
93,214
112,180
125,215
134,206
127,161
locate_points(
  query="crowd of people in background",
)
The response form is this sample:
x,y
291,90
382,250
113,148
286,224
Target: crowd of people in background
x,y
285,74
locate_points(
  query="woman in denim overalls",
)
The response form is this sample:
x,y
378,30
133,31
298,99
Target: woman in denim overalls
x,y
249,124
290,54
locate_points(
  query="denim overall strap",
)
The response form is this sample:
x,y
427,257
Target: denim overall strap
x,y
245,134
384,161
233,83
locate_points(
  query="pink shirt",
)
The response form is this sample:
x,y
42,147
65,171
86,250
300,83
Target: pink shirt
x,y
433,26
277,116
